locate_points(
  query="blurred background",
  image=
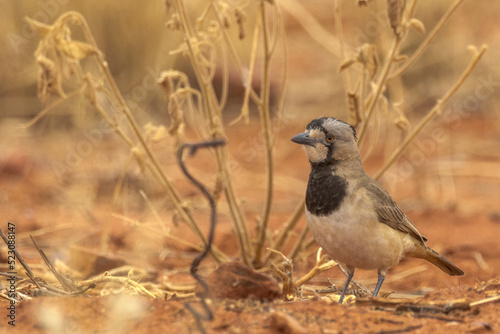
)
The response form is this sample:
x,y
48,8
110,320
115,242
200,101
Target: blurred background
x,y
453,165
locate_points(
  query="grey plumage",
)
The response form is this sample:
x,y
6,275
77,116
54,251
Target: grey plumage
x,y
350,215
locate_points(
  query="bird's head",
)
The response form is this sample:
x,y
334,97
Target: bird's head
x,y
327,140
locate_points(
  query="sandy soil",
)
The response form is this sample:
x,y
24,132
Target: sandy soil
x,y
70,217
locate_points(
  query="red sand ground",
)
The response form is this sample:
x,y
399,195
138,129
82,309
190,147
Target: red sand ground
x,y
466,232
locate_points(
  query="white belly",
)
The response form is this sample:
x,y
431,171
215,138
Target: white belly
x,y
358,239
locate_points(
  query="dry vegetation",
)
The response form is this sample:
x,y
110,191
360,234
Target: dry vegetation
x,y
230,75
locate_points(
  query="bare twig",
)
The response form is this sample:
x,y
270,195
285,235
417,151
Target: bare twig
x,y
66,283
436,110
214,120
322,264
425,43
317,32
266,129
18,256
379,85
485,301
288,228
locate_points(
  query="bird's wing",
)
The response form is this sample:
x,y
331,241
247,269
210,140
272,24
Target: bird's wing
x,y
388,211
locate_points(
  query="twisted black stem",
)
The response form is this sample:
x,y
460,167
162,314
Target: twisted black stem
x,y
196,262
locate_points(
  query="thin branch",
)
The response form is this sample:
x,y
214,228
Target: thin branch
x,y
317,32
425,43
18,256
288,228
299,245
244,114
340,35
210,106
45,110
384,73
436,110
266,129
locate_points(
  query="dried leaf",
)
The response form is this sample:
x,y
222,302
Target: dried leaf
x,y
41,28
418,26
49,78
77,50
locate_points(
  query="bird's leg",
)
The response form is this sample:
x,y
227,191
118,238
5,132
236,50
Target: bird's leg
x,y
350,274
381,278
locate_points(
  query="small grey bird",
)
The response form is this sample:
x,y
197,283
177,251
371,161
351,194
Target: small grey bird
x,y
349,214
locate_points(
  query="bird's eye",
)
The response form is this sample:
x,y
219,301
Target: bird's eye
x,y
329,138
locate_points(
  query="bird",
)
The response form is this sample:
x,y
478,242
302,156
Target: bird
x,y
350,215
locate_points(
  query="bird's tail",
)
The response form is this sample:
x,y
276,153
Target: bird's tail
x,y
442,263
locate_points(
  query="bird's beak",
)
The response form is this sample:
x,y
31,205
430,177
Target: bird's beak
x,y
304,139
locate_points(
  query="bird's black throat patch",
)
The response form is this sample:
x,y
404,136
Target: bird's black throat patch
x,y
325,191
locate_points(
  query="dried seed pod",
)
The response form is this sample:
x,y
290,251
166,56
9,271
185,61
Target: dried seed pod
x,y
369,58
218,187
240,19
353,105
395,10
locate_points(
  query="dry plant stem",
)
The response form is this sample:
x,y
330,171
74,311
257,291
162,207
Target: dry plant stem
x,y
120,280
18,256
266,129
166,234
311,25
320,266
299,244
379,85
12,300
289,226
340,35
384,73
45,110
154,165
248,84
359,285
66,283
484,301
423,46
314,272
232,50
211,107
436,110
